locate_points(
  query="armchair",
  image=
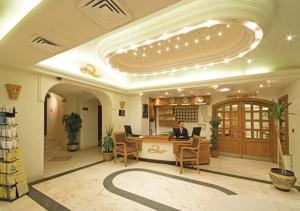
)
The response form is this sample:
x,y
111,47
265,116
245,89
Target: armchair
x,y
124,147
188,152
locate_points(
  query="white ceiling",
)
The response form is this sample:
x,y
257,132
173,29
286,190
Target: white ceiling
x,y
83,40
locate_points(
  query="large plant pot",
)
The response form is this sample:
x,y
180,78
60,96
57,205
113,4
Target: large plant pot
x,y
280,181
107,156
214,152
72,147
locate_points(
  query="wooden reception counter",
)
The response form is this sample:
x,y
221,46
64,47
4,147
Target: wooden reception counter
x,y
163,149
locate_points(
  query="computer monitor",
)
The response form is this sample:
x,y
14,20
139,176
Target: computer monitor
x,y
196,131
128,131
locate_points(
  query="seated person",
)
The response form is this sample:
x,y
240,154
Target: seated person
x,y
181,131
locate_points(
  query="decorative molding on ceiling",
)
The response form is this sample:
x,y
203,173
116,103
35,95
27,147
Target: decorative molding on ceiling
x,y
108,13
183,15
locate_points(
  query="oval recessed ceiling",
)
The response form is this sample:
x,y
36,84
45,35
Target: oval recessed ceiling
x,y
208,43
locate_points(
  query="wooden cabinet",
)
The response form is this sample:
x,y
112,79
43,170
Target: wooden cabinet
x,y
167,117
152,112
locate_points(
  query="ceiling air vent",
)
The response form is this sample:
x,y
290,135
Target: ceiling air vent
x,y
44,44
108,13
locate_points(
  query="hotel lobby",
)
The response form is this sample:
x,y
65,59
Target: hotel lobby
x,y
149,105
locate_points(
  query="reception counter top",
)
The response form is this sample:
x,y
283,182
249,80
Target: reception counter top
x,y
162,148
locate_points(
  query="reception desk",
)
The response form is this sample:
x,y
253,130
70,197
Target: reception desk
x,y
161,148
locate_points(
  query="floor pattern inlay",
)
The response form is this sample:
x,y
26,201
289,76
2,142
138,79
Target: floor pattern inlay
x,y
109,185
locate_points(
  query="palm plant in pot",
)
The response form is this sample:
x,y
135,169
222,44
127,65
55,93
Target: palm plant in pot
x,y
108,144
72,123
282,179
215,122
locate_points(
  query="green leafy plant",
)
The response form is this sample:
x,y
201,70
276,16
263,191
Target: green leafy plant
x,y
214,132
107,140
276,113
72,123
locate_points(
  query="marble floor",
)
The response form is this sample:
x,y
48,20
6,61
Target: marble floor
x,y
54,165
225,184
148,186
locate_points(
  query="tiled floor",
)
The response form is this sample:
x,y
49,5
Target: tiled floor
x,y
55,164
85,190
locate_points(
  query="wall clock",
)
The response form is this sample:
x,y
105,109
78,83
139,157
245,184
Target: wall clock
x,y
172,100
199,99
185,100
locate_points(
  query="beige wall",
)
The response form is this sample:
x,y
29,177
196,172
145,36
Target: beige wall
x,y
89,131
293,92
56,108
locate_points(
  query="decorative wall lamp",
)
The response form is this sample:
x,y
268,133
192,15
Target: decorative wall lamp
x,y
13,91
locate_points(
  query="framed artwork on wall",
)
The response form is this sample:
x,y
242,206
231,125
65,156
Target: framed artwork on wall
x,y
121,112
203,111
145,111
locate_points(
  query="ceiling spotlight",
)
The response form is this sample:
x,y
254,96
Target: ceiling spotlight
x,y
196,41
179,90
135,53
176,46
289,37
249,61
141,94
166,93
220,34
207,37
239,91
228,26
159,51
261,86
159,44
144,55
186,44
224,89
151,46
167,48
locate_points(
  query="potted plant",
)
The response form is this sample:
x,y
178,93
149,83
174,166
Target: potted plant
x,y
214,136
72,123
108,144
282,179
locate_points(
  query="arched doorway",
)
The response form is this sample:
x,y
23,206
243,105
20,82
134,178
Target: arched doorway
x,y
95,109
246,129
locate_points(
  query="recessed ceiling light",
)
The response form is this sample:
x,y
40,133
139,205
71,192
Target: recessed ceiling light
x,y
261,86
144,55
151,46
166,93
141,94
176,46
224,89
228,26
179,90
220,34
159,44
289,37
135,53
249,61
239,91
186,44
207,37
167,48
158,51
196,41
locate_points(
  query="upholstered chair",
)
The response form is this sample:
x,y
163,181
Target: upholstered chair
x,y
124,147
189,152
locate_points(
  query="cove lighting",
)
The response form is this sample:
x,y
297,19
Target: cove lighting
x,y
254,27
13,12
224,90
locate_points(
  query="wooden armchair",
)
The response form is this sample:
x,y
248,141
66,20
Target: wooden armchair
x,y
124,147
189,152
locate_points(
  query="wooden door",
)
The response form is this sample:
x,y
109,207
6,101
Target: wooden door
x,y
257,130
245,129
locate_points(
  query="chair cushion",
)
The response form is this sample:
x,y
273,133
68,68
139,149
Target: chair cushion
x,y
187,154
129,148
120,137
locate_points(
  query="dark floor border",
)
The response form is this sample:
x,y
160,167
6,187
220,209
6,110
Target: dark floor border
x,y
45,201
108,184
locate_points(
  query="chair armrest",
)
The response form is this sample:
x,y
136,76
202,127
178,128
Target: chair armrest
x,y
188,148
133,141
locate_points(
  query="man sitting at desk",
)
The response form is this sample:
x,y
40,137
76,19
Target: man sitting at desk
x,y
181,131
